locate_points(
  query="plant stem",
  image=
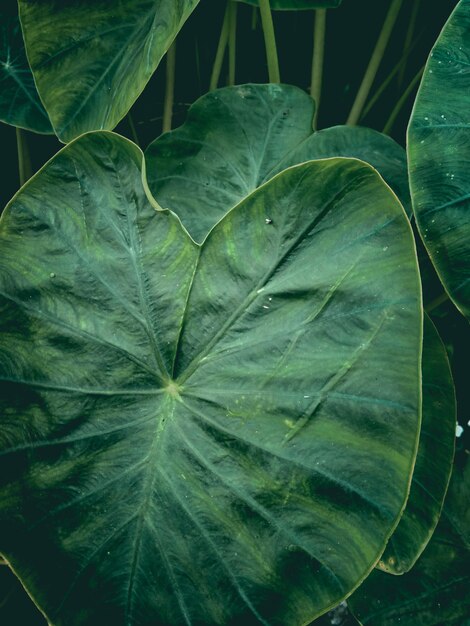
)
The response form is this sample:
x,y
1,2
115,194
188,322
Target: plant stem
x,y
133,129
391,76
374,62
25,170
317,60
232,42
443,297
219,55
169,87
409,39
269,41
397,108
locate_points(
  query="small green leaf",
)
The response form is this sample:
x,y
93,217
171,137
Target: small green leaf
x,y
91,59
298,5
215,434
19,100
439,156
237,138
435,592
433,463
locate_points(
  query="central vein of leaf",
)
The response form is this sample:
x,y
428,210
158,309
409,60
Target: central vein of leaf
x,y
173,389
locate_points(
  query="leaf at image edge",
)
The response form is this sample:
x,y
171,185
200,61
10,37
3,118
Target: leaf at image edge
x,y
439,153
91,61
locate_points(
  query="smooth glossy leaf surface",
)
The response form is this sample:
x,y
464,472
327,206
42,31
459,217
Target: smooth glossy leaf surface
x,y
19,101
237,138
292,5
216,434
439,156
433,463
435,592
91,59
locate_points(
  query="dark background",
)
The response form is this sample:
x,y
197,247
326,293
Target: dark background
x,y
351,34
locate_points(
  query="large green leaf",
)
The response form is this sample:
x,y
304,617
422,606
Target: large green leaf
x,y
433,463
292,5
19,100
91,59
215,434
237,138
435,592
439,156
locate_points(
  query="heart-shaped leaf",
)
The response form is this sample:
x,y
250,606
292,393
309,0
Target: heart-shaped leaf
x,y
215,434
292,5
433,463
435,592
439,155
91,59
19,100
237,138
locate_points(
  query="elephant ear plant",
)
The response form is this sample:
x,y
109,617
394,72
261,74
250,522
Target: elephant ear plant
x,y
221,400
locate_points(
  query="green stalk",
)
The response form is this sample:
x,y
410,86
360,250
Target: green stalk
x,y
409,38
25,171
133,129
269,41
169,87
374,62
232,42
219,55
391,76
317,60
397,108
443,297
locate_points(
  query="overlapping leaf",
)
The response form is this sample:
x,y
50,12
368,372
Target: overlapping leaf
x,y
210,434
433,463
435,592
91,58
19,101
237,138
439,156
